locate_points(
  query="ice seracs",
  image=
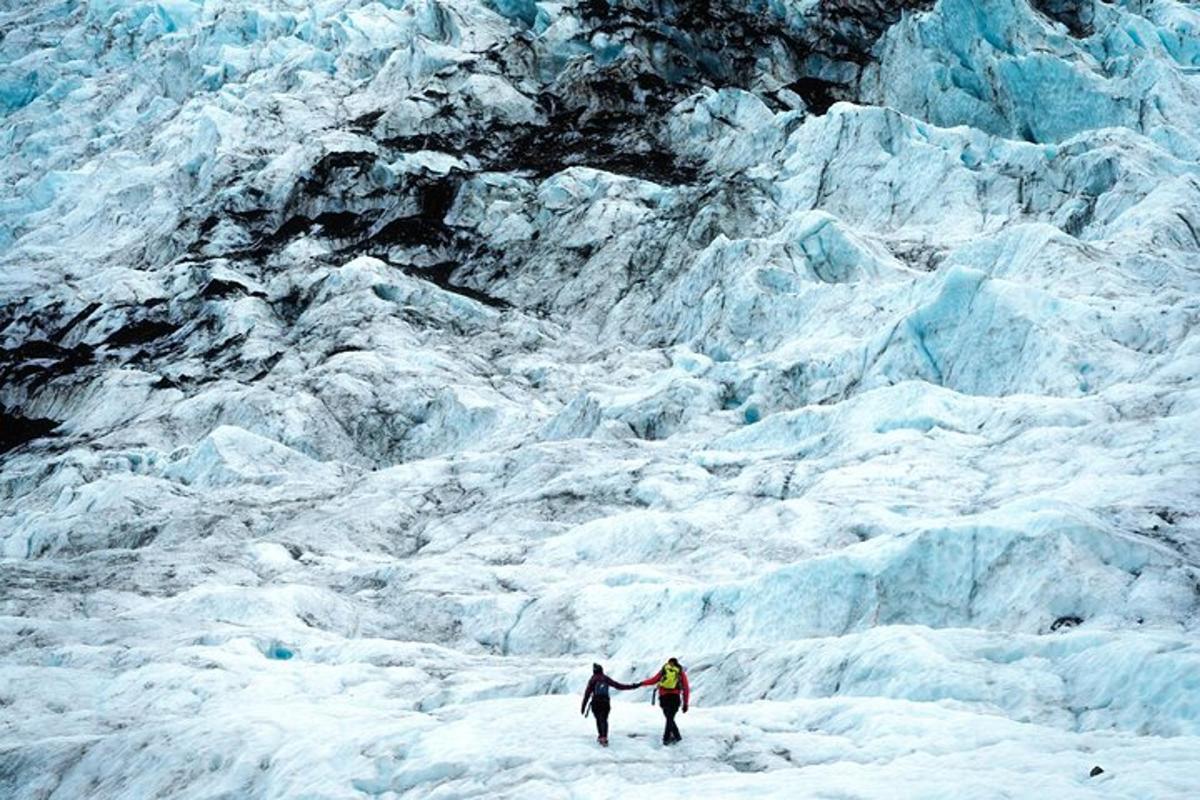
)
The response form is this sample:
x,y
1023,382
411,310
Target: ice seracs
x,y
368,370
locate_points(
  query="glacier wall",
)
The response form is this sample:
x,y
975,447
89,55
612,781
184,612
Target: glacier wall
x,y
368,369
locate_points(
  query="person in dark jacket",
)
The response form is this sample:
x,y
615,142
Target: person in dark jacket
x,y
671,683
597,692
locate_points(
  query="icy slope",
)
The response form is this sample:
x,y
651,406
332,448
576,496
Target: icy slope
x,y
370,369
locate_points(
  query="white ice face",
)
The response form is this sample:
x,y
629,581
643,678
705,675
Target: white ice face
x,y
370,369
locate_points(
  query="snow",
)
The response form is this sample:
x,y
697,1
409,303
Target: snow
x,y
406,358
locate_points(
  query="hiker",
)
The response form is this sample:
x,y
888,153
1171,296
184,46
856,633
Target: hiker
x,y
597,692
671,684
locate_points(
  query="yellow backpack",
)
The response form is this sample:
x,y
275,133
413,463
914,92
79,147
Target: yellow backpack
x,y
670,677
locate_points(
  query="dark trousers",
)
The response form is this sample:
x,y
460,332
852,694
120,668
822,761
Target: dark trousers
x,y
669,703
600,709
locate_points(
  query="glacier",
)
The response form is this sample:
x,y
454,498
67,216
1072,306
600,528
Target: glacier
x,y
371,368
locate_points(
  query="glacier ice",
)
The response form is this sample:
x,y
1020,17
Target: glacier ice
x,y
369,369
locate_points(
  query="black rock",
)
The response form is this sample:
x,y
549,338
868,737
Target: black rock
x,y
17,429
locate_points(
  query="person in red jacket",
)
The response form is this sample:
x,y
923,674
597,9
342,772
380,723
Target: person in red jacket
x,y
671,683
597,692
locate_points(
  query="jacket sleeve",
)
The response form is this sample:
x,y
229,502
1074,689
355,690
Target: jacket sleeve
x,y
618,685
651,681
587,693
687,691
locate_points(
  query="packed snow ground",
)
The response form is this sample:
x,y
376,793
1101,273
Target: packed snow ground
x,y
369,419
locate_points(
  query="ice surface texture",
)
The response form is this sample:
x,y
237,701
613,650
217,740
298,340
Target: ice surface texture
x,y
369,369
